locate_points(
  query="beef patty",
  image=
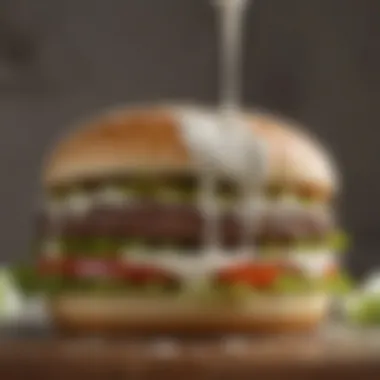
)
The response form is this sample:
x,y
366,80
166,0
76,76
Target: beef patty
x,y
183,223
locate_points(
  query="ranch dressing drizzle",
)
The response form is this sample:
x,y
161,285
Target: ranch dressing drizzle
x,y
214,156
314,263
223,146
192,268
231,14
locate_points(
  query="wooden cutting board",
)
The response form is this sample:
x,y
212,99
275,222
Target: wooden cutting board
x,y
338,355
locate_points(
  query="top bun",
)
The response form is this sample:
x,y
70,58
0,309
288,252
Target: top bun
x,y
150,139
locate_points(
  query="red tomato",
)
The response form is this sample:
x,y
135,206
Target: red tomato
x,y
254,274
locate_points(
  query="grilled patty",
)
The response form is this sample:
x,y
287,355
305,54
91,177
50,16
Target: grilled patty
x,y
183,223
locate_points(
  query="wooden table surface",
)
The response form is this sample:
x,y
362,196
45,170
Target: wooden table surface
x,y
335,357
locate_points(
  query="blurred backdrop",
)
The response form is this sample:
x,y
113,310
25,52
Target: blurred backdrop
x,y
314,61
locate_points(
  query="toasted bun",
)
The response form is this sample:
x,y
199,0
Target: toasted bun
x,y
151,139
83,314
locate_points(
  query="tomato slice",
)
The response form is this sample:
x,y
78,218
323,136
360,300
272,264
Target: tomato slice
x,y
262,275
253,274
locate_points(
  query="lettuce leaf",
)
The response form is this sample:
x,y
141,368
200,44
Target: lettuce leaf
x,y
336,285
365,310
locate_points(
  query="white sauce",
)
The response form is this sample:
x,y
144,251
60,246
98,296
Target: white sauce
x,y
195,267
113,196
191,267
230,151
314,263
79,203
219,151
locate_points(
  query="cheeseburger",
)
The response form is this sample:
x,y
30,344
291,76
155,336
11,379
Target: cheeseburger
x,y
122,237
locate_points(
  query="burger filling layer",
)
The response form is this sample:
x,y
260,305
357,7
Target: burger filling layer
x,y
145,235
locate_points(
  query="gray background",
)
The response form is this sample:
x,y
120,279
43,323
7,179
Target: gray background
x,y
316,61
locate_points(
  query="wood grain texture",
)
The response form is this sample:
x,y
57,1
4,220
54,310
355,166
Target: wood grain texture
x,y
267,360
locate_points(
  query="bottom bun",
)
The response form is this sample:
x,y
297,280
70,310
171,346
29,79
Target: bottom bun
x,y
264,314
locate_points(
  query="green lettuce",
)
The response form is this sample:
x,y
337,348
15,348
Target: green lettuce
x,y
365,310
335,285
